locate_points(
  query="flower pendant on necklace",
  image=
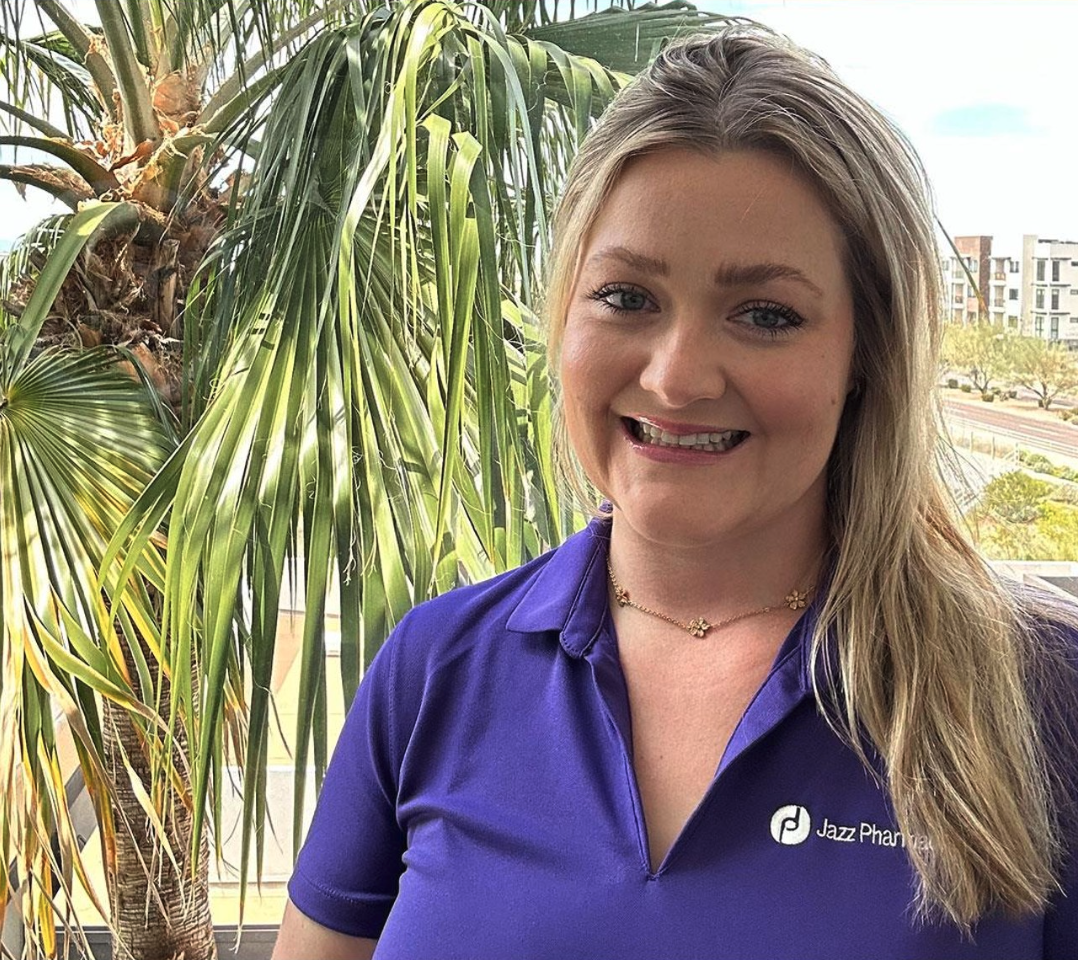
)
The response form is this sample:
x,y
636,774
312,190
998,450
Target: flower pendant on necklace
x,y
699,627
795,600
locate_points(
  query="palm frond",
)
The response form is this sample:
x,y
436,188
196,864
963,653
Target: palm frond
x,y
34,123
45,66
63,185
77,42
139,119
626,39
25,260
97,177
77,444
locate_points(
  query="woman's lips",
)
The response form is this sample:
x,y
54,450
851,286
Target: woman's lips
x,y
677,428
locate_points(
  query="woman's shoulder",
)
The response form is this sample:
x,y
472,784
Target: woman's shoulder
x,y
1051,617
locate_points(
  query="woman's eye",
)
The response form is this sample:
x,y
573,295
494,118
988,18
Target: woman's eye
x,y
770,318
620,298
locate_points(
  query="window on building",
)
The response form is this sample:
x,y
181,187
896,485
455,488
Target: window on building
x,y
1040,299
1055,329
1013,294
1055,271
1040,270
1038,326
1055,298
1014,265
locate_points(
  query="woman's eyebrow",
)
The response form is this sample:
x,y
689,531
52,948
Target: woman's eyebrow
x,y
736,275
728,275
638,261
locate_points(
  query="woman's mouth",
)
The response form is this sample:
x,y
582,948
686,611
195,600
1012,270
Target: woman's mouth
x,y
716,441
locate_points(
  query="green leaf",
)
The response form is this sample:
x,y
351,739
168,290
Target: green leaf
x,y
78,442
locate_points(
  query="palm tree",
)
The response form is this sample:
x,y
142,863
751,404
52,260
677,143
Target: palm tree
x,y
287,324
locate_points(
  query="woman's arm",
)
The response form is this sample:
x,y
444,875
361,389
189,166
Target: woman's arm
x,y
301,938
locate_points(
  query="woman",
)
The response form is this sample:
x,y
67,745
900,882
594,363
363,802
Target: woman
x,y
743,312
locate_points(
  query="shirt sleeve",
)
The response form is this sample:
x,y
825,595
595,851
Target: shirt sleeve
x,y
1061,920
347,873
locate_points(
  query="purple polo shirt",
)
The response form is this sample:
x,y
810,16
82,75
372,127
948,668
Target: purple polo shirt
x,y
481,803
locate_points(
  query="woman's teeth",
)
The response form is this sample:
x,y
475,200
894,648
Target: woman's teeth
x,y
711,442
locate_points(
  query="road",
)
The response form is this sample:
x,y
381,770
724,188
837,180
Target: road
x,y
1060,438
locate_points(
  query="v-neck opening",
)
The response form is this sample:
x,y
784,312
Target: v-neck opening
x,y
779,693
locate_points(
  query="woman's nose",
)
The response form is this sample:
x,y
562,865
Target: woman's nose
x,y
684,366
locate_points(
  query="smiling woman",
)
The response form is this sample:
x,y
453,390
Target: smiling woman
x,y
769,703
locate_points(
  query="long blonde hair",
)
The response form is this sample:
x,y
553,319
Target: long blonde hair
x,y
959,682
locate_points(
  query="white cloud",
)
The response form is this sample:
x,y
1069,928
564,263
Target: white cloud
x,y
920,60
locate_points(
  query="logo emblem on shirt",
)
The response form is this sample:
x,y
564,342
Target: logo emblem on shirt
x,y
791,824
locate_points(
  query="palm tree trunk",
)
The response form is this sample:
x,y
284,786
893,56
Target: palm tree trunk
x,y
158,913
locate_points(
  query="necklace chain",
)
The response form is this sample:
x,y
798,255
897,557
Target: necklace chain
x,y
699,627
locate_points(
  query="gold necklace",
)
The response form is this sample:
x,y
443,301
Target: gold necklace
x,y
699,627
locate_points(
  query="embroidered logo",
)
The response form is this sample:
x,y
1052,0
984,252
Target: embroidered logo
x,y
791,824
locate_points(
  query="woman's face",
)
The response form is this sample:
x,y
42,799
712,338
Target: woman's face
x,y
707,349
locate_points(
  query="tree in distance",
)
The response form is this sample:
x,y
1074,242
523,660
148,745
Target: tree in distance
x,y
982,351
1046,368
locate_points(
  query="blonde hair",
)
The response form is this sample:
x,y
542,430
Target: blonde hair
x,y
959,682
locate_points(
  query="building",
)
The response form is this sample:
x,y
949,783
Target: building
x,y
996,290
1050,289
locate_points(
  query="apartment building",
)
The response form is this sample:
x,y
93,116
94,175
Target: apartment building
x,y
1050,289
995,276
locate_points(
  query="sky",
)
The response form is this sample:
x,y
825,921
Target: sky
x,y
983,88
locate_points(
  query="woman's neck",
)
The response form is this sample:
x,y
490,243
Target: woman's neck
x,y
718,579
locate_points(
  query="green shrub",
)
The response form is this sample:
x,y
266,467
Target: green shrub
x,y
1035,461
1058,529
966,388
952,383
988,397
1015,497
